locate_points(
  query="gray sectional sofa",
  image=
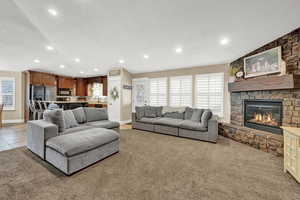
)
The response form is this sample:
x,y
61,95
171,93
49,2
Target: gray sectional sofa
x,y
188,122
74,139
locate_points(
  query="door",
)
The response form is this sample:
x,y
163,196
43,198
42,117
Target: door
x,y
114,103
140,92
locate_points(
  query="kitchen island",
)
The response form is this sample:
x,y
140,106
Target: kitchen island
x,y
67,105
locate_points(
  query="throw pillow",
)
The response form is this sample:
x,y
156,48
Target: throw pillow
x,y
150,111
95,114
79,115
188,113
69,119
55,117
140,112
207,114
196,116
159,111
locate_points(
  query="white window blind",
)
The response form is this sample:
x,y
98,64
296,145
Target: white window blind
x,y
158,92
210,92
7,93
180,91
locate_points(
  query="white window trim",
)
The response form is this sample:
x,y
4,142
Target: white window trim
x,y
191,92
223,90
13,107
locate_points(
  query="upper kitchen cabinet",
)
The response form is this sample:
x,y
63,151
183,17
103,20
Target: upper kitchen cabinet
x,y
104,83
40,78
81,87
66,82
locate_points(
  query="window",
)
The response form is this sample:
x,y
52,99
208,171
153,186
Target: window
x,y
180,91
158,91
97,90
7,93
210,92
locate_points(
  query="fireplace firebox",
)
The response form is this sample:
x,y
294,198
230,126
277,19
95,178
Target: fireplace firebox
x,y
265,115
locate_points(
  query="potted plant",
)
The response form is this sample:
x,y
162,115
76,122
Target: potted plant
x,y
232,72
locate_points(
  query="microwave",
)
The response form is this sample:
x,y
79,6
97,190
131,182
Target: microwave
x,y
64,92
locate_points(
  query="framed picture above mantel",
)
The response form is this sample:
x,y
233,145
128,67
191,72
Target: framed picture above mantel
x,y
267,62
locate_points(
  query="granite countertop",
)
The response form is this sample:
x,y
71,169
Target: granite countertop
x,y
69,102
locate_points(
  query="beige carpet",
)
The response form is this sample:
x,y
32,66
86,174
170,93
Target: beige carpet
x,y
153,166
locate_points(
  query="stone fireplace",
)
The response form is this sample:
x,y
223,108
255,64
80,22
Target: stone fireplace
x,y
259,126
265,115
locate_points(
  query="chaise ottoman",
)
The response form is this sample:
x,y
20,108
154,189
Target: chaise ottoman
x,y
72,152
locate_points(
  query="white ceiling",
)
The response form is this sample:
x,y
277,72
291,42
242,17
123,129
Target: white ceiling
x,y
101,32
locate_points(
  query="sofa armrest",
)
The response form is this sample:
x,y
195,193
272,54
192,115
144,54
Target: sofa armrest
x,y
213,129
38,132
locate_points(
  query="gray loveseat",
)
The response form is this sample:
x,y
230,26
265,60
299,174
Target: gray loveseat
x,y
74,139
192,123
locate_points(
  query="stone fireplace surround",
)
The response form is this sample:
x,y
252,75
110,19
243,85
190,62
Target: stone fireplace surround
x,y
268,142
265,141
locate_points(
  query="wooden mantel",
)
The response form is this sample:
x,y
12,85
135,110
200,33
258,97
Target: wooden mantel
x,y
289,81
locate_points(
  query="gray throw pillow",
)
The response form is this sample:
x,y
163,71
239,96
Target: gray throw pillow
x,y
79,115
159,111
55,117
207,114
196,116
150,111
188,113
95,114
140,112
69,119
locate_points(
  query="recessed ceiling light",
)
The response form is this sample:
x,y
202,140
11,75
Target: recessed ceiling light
x,y
178,50
146,56
50,48
62,66
52,12
121,61
96,69
81,72
37,61
77,60
224,41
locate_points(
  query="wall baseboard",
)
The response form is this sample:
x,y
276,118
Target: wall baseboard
x,y
13,121
125,122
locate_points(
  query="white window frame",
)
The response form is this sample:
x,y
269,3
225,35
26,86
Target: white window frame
x,y
13,93
221,115
190,93
158,95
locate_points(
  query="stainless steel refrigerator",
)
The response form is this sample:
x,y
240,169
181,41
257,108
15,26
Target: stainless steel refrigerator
x,y
43,93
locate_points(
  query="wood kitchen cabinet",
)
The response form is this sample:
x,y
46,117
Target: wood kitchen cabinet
x,y
81,87
104,83
66,82
40,78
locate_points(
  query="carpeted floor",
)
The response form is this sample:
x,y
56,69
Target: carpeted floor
x,y
153,166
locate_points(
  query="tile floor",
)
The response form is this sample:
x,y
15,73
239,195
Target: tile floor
x,y
14,136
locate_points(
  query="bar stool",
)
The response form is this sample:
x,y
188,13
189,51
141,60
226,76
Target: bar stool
x,y
32,109
40,110
1,109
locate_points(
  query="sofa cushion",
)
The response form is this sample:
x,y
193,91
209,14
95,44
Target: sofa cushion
x,y
196,116
140,112
174,115
55,117
207,114
148,120
79,115
150,111
192,125
69,119
168,121
158,111
75,129
95,114
169,109
188,113
104,124
81,141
